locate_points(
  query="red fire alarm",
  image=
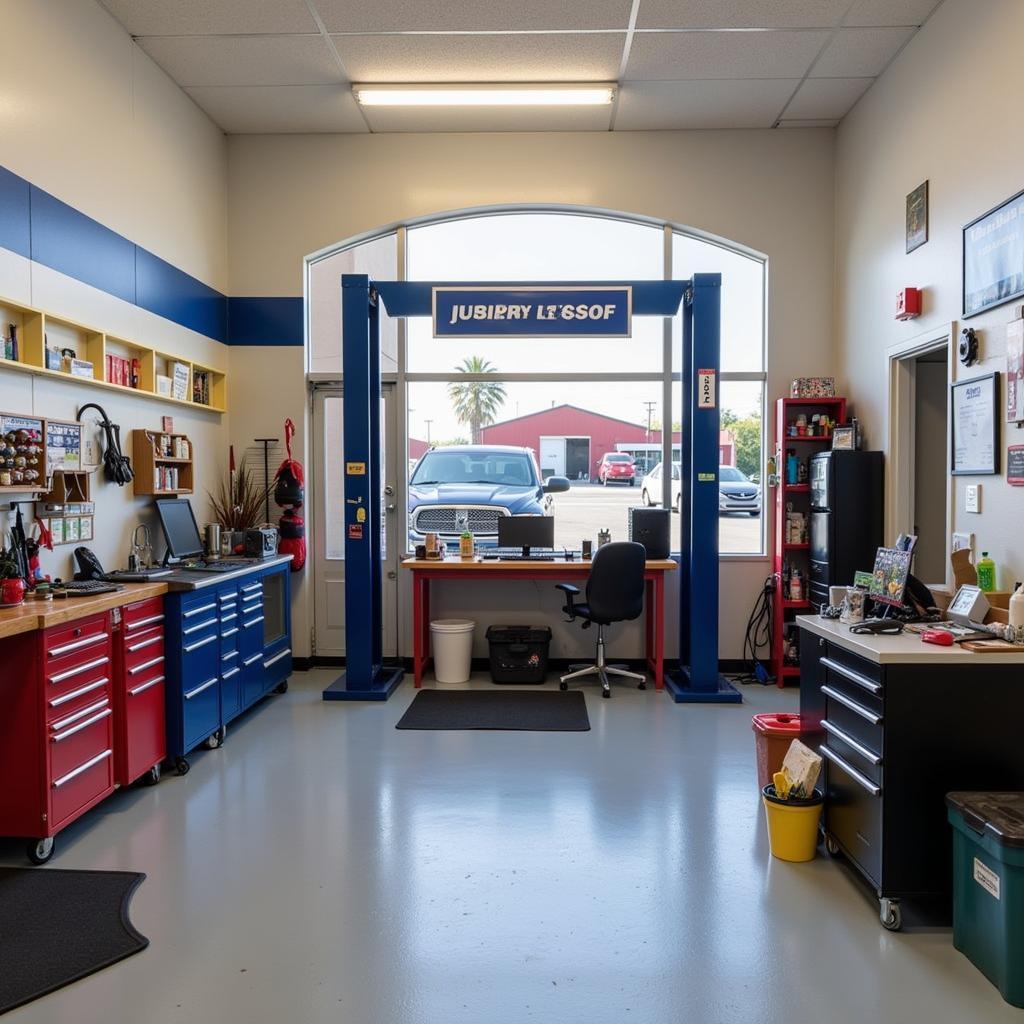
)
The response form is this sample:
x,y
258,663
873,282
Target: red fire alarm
x,y
908,303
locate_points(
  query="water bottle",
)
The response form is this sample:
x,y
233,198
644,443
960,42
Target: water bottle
x,y
986,573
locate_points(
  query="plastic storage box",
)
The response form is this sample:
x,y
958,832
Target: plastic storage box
x,y
988,886
519,654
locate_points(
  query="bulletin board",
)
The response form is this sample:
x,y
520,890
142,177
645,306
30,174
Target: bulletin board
x,y
976,426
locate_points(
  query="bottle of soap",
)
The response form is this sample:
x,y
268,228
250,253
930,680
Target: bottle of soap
x,y
1017,607
986,573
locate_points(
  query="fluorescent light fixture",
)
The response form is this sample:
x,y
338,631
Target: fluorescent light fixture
x,y
486,95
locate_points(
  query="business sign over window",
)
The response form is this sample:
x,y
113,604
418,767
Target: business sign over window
x,y
533,313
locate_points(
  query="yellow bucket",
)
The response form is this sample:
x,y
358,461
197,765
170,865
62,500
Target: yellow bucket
x,y
792,825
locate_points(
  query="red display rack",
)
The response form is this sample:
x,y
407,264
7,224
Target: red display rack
x,y
798,555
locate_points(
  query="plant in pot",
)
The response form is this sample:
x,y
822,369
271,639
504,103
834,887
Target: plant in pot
x,y
238,506
12,583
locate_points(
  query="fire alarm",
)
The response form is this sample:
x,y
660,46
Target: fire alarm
x,y
908,303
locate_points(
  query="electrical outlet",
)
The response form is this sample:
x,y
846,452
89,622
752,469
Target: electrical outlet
x,y
972,498
90,454
963,540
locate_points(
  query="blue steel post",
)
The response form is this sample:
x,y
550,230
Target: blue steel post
x,y
685,475
698,679
365,677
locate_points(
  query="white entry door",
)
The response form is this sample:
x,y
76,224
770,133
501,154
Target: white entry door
x,y
552,456
327,545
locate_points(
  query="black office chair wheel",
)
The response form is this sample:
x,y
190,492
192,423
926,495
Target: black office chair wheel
x,y
181,765
563,686
39,851
606,693
641,686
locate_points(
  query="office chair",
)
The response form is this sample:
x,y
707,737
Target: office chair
x,y
615,593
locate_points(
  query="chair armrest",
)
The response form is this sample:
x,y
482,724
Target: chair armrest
x,y
569,588
571,593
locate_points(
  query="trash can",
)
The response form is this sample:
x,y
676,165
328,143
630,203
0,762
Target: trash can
x,y
988,886
773,734
792,825
519,654
452,643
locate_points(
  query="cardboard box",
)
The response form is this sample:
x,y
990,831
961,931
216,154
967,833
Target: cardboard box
x,y
813,387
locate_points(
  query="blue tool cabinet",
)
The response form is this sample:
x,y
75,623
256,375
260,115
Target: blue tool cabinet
x,y
228,644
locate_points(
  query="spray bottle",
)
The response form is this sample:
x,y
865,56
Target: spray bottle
x,y
1017,607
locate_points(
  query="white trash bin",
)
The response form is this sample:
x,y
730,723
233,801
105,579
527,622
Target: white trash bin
x,y
452,643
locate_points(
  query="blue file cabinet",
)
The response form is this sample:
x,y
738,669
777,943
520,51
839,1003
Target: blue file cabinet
x,y
228,645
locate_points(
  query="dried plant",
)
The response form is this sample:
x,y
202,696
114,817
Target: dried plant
x,y
239,501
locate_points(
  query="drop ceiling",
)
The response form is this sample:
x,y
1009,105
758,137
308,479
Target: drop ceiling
x,y
287,65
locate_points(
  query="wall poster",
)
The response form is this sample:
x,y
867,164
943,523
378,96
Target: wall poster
x,y
976,426
993,252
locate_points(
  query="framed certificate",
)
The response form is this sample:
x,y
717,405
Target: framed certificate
x,y
976,426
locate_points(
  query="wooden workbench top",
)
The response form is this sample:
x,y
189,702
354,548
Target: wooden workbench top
x,y
456,564
35,614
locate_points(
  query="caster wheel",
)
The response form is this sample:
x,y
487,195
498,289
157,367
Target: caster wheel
x,y
152,777
181,765
216,739
563,686
831,846
641,686
281,687
606,693
890,915
39,851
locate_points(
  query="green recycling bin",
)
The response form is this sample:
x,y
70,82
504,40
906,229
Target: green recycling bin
x,y
988,886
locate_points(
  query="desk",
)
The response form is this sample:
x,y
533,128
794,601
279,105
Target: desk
x,y
558,571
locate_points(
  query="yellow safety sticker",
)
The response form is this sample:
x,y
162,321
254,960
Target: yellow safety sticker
x,y
355,469
360,515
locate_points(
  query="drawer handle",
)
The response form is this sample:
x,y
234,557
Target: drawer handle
x,y
199,689
143,687
76,645
229,616
145,643
81,768
228,655
252,660
224,598
139,623
146,664
277,657
861,780
251,587
189,648
82,725
91,709
252,622
57,701
57,783
95,663
199,611
228,632
205,624
229,674
848,702
854,677
868,755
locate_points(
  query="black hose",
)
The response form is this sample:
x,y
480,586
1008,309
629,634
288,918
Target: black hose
x,y
759,634
116,465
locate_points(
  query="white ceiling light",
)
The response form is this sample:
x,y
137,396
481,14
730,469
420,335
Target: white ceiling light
x,y
486,95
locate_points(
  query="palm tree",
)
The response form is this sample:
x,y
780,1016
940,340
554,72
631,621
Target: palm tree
x,y
476,402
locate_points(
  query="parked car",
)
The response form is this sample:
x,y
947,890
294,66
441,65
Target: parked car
x,y
737,493
616,467
650,491
471,486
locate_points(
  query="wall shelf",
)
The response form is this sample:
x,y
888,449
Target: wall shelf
x,y
149,463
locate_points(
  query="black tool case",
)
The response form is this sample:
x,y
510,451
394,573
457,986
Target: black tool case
x,y
519,654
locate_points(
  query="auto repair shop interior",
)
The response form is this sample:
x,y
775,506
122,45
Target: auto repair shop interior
x,y
511,512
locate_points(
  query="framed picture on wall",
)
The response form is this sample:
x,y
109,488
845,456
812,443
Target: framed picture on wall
x,y
917,217
993,255
976,426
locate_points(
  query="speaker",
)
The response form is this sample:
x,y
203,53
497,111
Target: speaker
x,y
652,527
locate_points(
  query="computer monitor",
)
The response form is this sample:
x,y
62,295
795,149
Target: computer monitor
x,y
178,522
526,532
889,577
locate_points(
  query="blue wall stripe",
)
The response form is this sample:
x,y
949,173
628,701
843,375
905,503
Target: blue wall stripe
x,y
171,293
15,218
265,321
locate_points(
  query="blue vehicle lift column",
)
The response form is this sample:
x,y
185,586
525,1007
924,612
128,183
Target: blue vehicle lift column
x,y
365,676
697,679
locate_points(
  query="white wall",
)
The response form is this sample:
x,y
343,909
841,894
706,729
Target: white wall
x,y
772,191
948,110
87,116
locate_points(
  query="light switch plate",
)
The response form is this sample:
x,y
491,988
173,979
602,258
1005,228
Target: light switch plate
x,y
963,540
972,498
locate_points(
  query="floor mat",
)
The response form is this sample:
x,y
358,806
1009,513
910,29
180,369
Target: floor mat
x,y
58,926
523,710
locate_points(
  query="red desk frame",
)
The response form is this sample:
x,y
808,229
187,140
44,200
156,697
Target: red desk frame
x,y
556,572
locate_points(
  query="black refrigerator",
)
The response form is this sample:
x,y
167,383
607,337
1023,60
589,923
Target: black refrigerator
x,y
847,518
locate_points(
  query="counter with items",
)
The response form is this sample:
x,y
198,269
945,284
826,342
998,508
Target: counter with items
x,y
901,723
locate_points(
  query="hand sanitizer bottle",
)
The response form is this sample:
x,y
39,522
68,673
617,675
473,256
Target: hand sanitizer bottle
x,y
1017,607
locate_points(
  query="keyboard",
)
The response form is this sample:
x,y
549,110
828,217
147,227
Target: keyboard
x,y
516,554
236,563
136,575
520,557
88,588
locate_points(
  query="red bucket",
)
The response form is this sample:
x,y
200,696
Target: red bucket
x,y
773,734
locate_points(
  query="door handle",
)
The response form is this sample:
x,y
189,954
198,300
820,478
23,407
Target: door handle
x,y
390,508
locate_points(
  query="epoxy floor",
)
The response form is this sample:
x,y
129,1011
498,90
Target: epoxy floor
x,y
324,867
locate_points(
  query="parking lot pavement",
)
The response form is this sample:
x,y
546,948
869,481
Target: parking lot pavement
x,y
587,508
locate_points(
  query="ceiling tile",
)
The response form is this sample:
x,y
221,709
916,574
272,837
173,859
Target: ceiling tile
x,y
741,13
210,17
667,56
281,108
470,15
483,58
244,60
483,119
650,106
826,98
890,12
860,52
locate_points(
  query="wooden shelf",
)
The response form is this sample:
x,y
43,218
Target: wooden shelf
x,y
173,461
146,463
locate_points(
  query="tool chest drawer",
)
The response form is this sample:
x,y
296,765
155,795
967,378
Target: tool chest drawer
x,y
79,788
142,615
863,723
866,693
852,665
853,811
80,635
78,737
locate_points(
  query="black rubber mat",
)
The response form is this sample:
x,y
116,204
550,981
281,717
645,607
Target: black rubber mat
x,y
59,926
523,710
